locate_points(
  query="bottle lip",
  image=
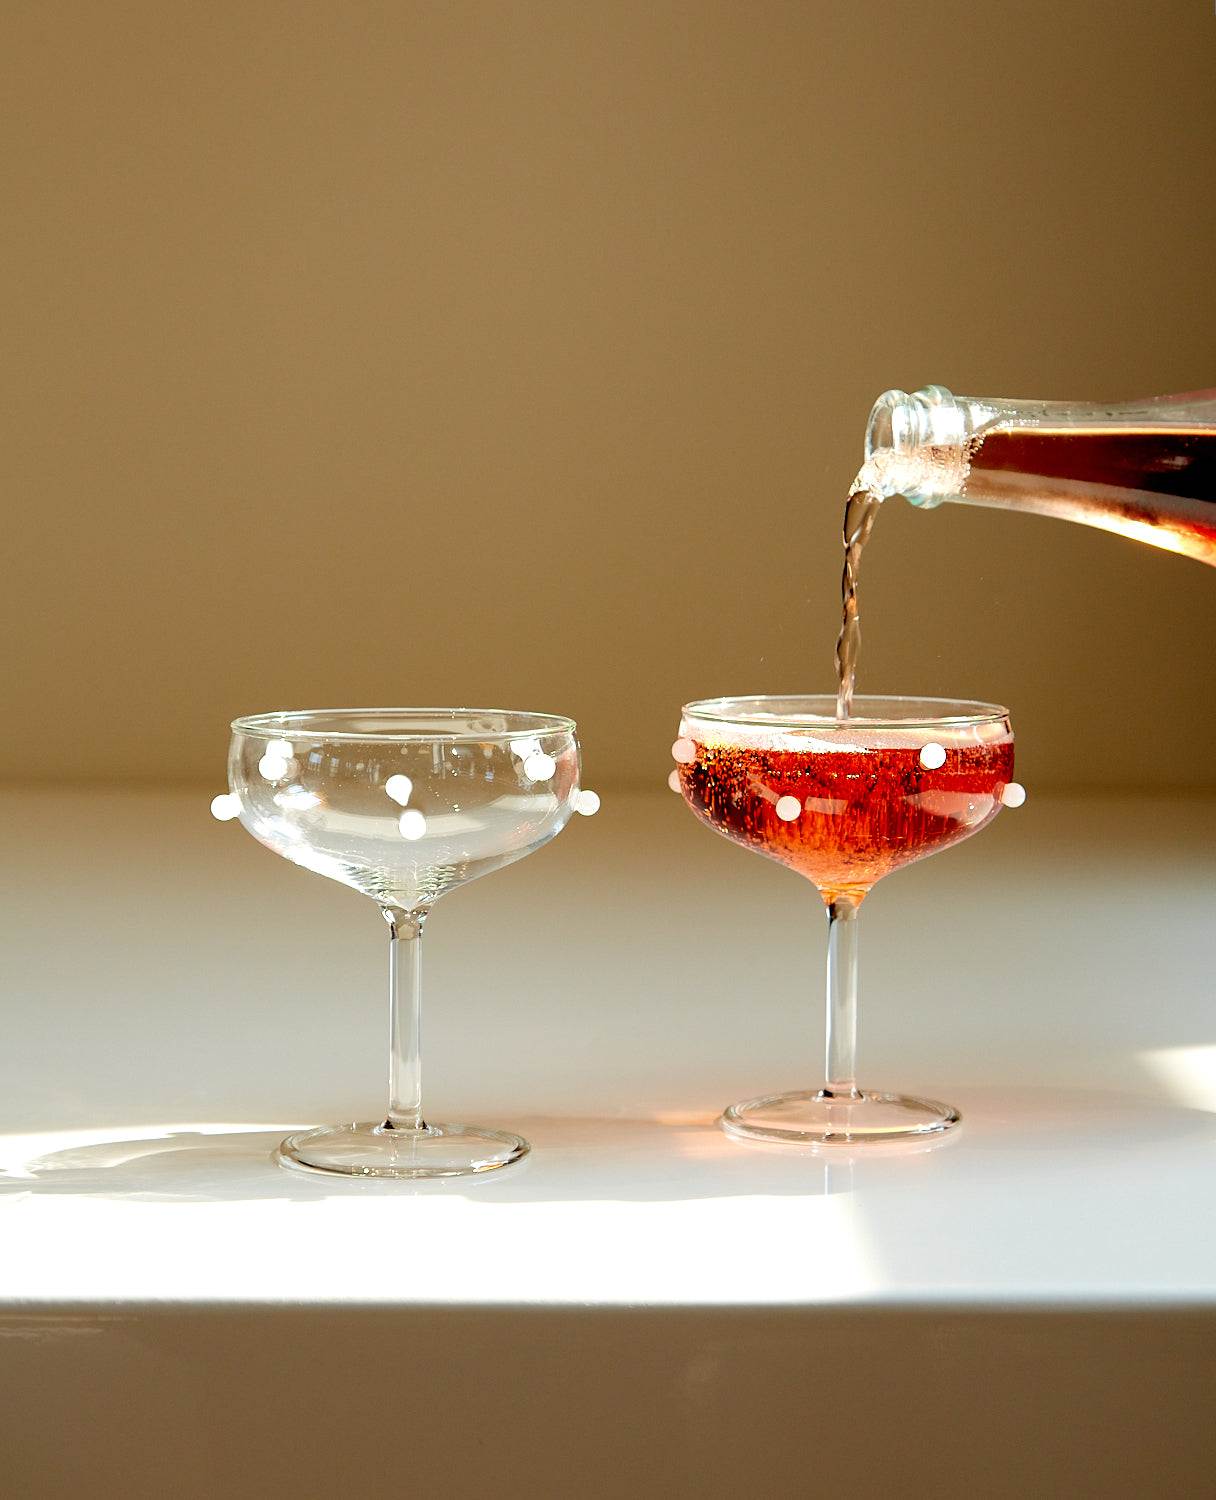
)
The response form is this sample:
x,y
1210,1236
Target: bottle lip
x,y
930,417
918,445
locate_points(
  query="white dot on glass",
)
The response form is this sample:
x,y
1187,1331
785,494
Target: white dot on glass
x,y
280,747
399,788
225,807
1014,794
539,767
273,767
685,751
673,781
788,808
587,803
412,824
933,756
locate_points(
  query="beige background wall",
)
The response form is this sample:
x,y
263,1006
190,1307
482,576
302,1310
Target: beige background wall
x,y
521,352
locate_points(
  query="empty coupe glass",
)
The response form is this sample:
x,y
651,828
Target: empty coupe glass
x,y
404,804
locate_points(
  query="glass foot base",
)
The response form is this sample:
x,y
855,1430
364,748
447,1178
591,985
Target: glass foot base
x,y
817,1118
379,1151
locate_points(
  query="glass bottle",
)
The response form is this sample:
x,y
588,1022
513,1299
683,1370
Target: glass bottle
x,y
1144,469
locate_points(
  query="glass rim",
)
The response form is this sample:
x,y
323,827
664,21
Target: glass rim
x,y
305,721
966,711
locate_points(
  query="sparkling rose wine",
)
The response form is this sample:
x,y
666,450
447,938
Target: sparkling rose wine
x,y
846,815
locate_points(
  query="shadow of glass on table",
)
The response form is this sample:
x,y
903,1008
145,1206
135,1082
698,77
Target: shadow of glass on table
x,y
612,1159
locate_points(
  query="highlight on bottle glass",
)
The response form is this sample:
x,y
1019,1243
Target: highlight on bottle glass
x,y
404,805
843,802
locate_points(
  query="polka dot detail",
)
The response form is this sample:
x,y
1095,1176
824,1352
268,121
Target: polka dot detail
x,y
412,824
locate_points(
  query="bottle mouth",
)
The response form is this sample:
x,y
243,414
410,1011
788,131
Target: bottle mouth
x,y
918,445
902,422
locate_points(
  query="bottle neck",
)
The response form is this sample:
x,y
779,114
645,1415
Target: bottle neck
x,y
920,444
1142,469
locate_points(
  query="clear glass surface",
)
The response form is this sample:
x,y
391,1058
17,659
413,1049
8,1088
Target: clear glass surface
x,y
404,805
843,803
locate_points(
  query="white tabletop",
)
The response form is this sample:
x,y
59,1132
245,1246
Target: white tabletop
x,y
174,997
643,1309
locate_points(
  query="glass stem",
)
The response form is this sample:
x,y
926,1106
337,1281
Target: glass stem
x,y
842,1001
405,1018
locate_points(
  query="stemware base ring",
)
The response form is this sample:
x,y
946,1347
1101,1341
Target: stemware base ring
x,y
369,1150
815,1117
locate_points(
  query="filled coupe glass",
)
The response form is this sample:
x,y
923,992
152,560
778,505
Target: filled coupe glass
x,y
404,805
843,802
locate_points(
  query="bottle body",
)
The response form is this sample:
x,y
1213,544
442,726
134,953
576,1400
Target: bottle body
x,y
1143,469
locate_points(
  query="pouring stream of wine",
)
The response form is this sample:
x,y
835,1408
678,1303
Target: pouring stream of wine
x,y
932,468
860,512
